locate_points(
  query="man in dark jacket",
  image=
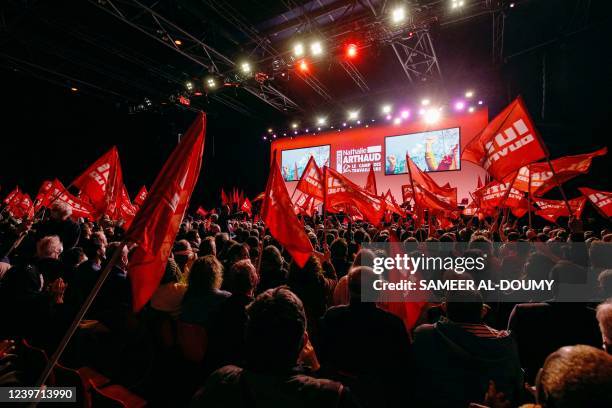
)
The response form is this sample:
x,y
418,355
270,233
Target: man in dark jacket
x,y
458,356
275,335
60,224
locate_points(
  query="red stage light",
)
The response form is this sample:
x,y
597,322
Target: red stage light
x,y
351,50
303,66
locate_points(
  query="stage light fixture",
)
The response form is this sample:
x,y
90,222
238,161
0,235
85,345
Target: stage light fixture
x,y
298,49
265,138
353,115
245,67
351,50
344,124
469,94
178,42
432,116
405,114
211,83
74,89
388,117
397,121
270,130
459,105
294,125
425,102
316,48
303,66
359,122
398,14
189,85
480,102
512,5
319,129
274,136
455,4
471,109
386,109
320,120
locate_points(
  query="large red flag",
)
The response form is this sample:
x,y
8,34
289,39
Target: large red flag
x,y
507,143
21,206
447,195
542,179
224,198
495,194
304,204
157,222
59,193
311,182
101,183
391,204
124,209
259,197
602,200
141,196
553,209
247,207
278,215
11,195
42,193
342,192
370,186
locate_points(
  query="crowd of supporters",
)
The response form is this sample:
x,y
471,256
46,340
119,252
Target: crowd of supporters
x,y
235,323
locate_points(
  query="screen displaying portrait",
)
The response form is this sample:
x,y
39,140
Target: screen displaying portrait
x,y
435,150
294,161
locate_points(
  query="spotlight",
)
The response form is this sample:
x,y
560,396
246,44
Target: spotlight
x,y
421,111
432,116
471,109
480,102
270,130
459,105
319,129
469,94
303,66
274,136
294,125
351,50
512,5
405,114
265,138
386,109
298,49
295,132
211,83
74,89
320,120
388,117
189,85
316,48
397,121
352,115
245,67
398,14
425,102
359,122
455,4
178,42
344,124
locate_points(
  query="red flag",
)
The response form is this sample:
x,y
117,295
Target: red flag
x,y
406,193
141,196
155,226
553,209
21,206
259,197
391,204
224,198
507,143
495,194
370,186
277,213
479,182
11,195
201,212
102,182
431,189
602,200
124,209
343,192
311,182
42,193
566,168
59,193
304,204
247,207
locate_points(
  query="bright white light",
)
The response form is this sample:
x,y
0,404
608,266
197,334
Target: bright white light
x,y
316,48
432,116
210,82
270,130
421,111
189,85
480,102
386,109
469,94
352,115
298,49
398,14
397,121
344,124
405,114
294,125
245,67
320,120
359,122
457,3
425,102
388,117
471,109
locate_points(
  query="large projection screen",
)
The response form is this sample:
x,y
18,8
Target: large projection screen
x,y
435,150
294,161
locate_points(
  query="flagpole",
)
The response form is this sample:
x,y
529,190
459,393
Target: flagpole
x,y
529,197
79,316
411,182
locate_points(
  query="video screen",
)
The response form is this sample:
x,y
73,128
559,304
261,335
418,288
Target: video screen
x,y
294,161
436,150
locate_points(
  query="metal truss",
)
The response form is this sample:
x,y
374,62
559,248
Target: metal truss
x,y
497,49
355,75
417,56
157,27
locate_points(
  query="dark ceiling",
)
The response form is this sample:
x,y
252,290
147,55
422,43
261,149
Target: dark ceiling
x,y
120,54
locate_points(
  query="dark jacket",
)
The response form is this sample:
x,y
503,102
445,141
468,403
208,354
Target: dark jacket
x,y
67,230
455,366
233,387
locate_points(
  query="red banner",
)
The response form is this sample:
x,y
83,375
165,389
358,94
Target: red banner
x,y
11,195
247,207
495,194
141,196
370,186
59,193
445,195
311,182
507,143
553,209
157,222
602,200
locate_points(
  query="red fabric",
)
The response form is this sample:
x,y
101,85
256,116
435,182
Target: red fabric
x,y
247,207
507,143
445,195
406,193
157,222
11,195
42,193
201,212
59,193
305,205
278,215
311,182
101,183
392,205
141,196
124,210
566,168
553,209
341,192
493,195
259,197
21,206
224,198
370,186
479,182
602,200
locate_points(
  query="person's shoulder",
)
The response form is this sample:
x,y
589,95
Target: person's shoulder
x,y
325,392
425,329
228,374
336,312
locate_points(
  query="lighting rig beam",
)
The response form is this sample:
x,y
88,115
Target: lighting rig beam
x,y
207,57
418,57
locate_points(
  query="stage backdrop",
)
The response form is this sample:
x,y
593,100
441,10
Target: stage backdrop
x,y
434,148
